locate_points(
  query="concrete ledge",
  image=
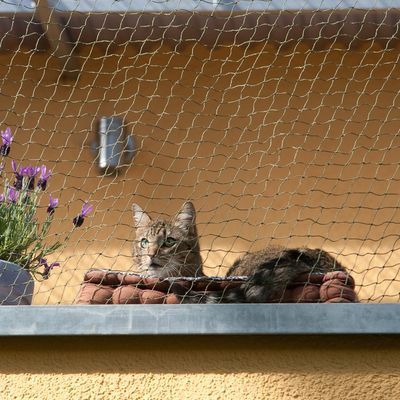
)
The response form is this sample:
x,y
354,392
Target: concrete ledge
x,y
223,319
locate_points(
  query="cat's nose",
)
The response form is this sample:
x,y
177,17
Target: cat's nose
x,y
152,250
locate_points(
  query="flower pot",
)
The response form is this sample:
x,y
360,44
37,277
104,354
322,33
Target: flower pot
x,y
16,285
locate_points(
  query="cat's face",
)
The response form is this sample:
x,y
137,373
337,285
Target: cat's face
x,y
167,248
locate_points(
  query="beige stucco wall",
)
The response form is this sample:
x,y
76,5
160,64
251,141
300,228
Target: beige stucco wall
x,y
298,147
240,368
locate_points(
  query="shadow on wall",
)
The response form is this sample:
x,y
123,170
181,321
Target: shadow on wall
x,y
199,354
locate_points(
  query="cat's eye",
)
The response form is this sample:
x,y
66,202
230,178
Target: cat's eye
x,y
169,241
143,243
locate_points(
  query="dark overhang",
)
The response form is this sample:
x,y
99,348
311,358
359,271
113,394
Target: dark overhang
x,y
64,25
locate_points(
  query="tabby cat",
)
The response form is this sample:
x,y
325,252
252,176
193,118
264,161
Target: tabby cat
x,y
167,248
171,249
270,271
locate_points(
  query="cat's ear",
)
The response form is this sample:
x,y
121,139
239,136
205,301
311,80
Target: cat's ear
x,y
186,217
140,217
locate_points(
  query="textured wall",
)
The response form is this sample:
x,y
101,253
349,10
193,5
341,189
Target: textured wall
x,y
218,368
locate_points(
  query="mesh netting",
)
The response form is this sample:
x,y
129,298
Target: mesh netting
x,y
280,122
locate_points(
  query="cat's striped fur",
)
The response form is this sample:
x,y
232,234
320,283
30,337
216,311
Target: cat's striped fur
x,y
270,271
167,248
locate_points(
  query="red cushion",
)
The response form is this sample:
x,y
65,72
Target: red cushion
x,y
115,287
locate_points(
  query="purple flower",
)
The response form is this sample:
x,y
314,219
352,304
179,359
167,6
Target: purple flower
x,y
30,172
2,198
6,138
44,176
86,209
47,267
13,195
14,166
18,176
52,205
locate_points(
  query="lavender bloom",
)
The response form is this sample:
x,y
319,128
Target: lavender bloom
x,y
13,195
6,138
30,172
18,176
47,267
52,205
2,198
86,209
43,178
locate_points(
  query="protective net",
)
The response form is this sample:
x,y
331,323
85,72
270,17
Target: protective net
x,y
279,121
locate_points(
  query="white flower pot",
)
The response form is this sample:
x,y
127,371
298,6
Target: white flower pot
x,y
16,285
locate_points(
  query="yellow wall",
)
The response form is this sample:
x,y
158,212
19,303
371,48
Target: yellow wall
x,y
298,147
242,368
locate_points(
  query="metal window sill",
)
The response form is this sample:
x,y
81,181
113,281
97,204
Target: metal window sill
x,y
221,319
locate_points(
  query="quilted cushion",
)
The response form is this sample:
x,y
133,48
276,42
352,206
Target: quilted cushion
x,y
114,287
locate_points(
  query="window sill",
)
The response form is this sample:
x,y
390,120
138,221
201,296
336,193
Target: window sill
x,y
221,319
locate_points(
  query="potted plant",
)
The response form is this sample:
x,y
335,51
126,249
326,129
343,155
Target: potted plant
x,y
23,247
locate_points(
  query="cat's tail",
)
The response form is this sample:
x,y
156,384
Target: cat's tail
x,y
267,284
